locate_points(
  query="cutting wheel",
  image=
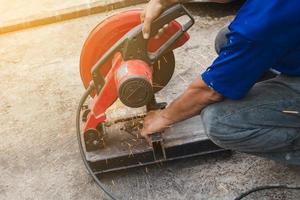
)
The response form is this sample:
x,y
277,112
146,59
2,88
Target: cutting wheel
x,y
106,34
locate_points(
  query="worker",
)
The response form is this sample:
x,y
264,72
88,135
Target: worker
x,y
239,111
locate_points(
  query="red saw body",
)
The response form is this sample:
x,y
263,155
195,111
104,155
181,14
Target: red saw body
x,y
108,32
121,64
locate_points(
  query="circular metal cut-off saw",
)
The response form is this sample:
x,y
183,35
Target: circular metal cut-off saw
x,y
118,63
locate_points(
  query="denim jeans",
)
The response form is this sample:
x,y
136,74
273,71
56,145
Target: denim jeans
x,y
265,123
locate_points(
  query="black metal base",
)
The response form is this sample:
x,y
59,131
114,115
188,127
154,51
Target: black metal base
x,y
126,149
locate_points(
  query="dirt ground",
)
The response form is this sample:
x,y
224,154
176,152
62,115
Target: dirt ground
x,y
39,91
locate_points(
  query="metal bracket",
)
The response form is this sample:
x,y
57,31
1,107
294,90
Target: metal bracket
x,y
159,152
157,142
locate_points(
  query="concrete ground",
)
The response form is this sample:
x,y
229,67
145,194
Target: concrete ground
x,y
13,10
39,91
19,9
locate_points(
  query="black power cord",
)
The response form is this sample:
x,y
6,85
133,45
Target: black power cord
x,y
98,182
266,187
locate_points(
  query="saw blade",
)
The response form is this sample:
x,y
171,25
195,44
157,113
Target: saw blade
x,y
163,71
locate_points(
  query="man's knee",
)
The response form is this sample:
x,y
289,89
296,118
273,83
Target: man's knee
x,y
227,127
230,129
214,128
225,131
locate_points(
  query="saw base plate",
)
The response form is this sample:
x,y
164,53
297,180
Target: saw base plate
x,y
126,149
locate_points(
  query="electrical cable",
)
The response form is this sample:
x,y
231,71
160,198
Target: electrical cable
x,y
266,187
98,182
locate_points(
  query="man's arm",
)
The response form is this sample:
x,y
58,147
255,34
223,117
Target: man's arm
x,y
197,96
192,101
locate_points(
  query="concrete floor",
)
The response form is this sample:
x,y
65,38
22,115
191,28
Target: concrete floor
x,y
39,91
19,9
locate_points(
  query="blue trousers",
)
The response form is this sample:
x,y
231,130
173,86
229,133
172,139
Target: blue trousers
x,y
265,123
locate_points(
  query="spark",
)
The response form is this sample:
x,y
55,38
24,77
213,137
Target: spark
x,y
158,62
290,111
130,153
182,78
129,145
165,59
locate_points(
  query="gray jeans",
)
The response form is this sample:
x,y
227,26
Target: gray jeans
x,y
265,123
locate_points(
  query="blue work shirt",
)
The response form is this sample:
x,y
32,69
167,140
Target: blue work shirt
x,y
263,35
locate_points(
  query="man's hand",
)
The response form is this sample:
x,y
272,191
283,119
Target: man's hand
x,y
154,122
197,96
153,9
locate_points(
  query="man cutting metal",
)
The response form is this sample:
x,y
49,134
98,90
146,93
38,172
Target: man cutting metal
x,y
240,108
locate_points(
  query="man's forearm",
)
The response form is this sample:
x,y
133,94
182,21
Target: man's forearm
x,y
191,102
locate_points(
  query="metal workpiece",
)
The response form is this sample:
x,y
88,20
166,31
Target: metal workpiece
x,y
125,149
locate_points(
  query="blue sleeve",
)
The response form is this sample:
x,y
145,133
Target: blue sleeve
x,y
240,64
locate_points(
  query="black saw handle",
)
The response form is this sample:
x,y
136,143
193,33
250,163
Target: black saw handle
x,y
133,46
166,17
136,45
169,15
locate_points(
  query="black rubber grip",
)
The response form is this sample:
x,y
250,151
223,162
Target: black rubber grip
x,y
169,15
